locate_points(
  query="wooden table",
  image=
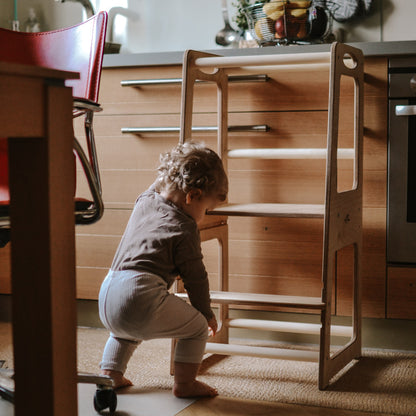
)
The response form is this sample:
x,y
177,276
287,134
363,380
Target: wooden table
x,y
36,116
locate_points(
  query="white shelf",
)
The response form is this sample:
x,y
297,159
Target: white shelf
x,y
239,298
264,352
271,210
287,153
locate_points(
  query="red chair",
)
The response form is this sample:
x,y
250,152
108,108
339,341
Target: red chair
x,y
79,48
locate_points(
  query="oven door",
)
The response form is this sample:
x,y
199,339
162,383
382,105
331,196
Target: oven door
x,y
401,212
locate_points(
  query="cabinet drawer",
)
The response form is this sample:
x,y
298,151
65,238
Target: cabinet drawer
x,y
284,91
141,151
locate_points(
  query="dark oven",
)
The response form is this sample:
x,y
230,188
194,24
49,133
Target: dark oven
x,y
401,207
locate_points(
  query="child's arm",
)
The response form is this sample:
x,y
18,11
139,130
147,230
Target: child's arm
x,y
191,268
195,280
213,325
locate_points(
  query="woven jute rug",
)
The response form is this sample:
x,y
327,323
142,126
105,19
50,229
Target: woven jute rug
x,y
380,381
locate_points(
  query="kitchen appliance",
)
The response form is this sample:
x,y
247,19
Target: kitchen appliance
x,y
401,207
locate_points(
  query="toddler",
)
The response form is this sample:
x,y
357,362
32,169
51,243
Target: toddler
x,y
161,241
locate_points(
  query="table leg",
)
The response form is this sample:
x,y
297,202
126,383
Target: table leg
x,y
42,187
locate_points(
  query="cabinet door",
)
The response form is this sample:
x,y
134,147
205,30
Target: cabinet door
x,y
401,293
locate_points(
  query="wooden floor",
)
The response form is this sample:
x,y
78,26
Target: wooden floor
x,y
234,407
225,407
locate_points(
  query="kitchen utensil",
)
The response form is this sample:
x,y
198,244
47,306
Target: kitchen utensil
x,y
227,35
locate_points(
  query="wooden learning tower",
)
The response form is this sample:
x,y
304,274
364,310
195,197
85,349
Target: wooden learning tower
x,y
341,211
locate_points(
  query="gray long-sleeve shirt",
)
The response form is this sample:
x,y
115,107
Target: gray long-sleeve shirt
x,y
161,239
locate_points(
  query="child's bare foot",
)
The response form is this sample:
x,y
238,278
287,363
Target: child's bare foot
x,y
194,389
118,379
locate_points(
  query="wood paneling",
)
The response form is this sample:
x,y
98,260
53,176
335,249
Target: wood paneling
x,y
96,245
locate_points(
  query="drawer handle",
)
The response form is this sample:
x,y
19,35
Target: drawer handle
x,y
172,81
405,110
138,130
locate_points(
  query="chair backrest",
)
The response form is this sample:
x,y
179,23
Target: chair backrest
x,y
78,48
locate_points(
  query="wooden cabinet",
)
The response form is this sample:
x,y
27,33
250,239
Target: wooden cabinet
x,y
401,292
267,255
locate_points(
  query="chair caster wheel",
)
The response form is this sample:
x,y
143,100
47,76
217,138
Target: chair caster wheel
x,y
104,398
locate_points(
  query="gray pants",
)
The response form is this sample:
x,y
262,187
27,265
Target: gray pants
x,y
137,306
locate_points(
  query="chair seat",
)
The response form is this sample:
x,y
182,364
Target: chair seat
x,y
81,105
81,204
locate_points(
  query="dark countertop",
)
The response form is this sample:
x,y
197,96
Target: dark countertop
x,y
396,48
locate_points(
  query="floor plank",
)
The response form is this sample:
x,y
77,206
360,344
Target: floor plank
x,y
225,406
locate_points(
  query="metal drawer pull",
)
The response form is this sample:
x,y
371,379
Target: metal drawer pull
x,y
164,81
138,130
249,78
405,110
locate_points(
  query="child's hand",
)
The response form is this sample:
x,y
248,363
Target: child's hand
x,y
213,326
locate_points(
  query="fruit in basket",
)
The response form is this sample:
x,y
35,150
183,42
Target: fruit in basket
x,y
280,20
280,28
273,6
299,4
274,10
286,28
276,14
264,28
303,31
298,13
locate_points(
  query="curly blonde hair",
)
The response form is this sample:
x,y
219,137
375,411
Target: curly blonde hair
x,y
192,166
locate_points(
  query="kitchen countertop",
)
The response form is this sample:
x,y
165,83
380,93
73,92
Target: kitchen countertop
x,y
396,48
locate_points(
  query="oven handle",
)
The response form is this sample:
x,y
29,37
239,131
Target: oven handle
x,y
405,110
